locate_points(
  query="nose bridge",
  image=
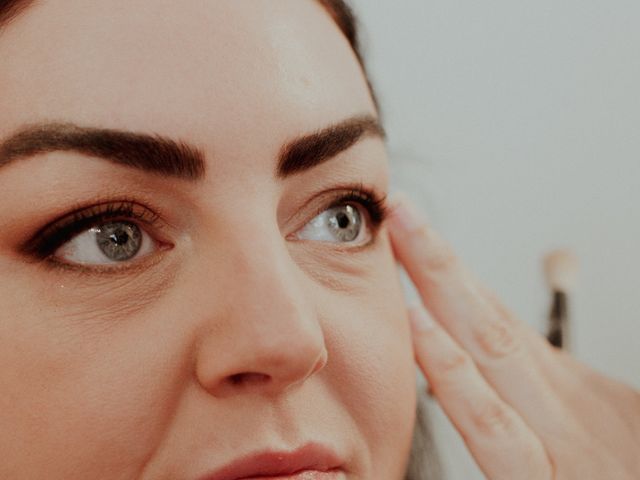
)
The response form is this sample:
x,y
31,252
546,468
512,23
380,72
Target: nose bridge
x,y
272,338
265,277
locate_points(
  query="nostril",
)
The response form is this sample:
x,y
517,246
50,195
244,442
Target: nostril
x,y
248,378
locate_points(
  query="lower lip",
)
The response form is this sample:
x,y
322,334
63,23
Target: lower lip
x,y
305,475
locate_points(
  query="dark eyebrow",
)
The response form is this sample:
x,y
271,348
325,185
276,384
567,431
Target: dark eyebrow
x,y
313,149
151,153
11,9
157,154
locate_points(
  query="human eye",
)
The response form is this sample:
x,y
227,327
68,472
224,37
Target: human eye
x,y
100,236
351,219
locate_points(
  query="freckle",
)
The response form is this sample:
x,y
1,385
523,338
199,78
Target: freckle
x,y
305,81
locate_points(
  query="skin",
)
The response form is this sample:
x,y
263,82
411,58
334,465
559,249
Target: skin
x,y
234,338
237,332
525,409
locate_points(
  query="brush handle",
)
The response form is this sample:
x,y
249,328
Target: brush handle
x,y
558,319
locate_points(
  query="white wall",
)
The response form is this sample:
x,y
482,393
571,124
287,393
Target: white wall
x,y
516,126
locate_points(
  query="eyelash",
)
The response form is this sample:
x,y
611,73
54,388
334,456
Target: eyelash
x,y
46,241
50,238
374,204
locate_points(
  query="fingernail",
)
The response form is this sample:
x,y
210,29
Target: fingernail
x,y
405,213
421,321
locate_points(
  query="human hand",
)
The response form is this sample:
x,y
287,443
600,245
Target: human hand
x,y
524,409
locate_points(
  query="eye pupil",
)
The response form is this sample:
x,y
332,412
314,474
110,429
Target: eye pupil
x,y
119,241
343,220
120,238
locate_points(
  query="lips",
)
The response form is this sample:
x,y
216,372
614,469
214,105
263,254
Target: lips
x,y
311,462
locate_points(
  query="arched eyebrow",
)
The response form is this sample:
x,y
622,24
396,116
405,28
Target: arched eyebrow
x,y
174,158
151,153
10,10
312,149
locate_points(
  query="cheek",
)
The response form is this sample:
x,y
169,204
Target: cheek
x,y
77,404
372,367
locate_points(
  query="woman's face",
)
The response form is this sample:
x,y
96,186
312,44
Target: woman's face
x,y
202,281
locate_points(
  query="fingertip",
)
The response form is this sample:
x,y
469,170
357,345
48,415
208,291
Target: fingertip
x,y
404,214
396,199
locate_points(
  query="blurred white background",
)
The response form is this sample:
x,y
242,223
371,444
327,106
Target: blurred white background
x,y
515,125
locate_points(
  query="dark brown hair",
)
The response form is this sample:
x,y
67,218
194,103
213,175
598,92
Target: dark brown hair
x,y
347,21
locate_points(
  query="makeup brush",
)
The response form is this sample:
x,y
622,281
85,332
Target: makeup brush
x,y
561,272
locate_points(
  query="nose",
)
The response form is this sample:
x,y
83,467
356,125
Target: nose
x,y
266,337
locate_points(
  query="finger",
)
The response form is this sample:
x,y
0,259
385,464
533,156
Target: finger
x,y
493,338
500,441
538,343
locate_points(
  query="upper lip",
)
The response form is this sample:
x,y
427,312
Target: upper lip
x,y
312,456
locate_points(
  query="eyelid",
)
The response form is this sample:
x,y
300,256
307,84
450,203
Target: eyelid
x,y
44,243
338,192
52,236
373,203
126,269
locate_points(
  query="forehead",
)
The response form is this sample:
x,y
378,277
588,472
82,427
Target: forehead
x,y
210,72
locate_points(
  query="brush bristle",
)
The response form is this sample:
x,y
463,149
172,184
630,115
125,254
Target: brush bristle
x,y
561,270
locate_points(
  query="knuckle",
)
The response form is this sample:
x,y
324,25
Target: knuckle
x,y
454,363
497,339
535,458
492,419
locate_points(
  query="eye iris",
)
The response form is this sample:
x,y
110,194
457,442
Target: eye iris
x,y
119,241
345,223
